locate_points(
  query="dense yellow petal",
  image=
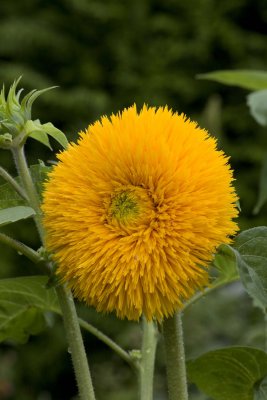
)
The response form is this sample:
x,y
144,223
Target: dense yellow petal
x,y
136,209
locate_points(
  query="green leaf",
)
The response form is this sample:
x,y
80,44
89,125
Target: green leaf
x,y
10,198
41,137
257,102
251,253
252,80
250,234
33,129
56,134
260,392
262,197
23,302
38,131
229,374
226,265
14,214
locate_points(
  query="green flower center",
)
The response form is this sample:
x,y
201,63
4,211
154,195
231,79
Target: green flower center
x,y
124,207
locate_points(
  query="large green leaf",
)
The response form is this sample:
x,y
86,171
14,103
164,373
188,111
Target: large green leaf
x,y
257,102
10,198
14,214
251,253
262,198
252,80
23,302
229,374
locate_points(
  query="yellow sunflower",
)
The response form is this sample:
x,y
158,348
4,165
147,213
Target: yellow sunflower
x,y
135,211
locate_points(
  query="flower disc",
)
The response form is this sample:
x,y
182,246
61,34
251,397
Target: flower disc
x,y
135,211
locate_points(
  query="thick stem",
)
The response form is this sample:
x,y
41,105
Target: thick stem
x,y
8,178
149,346
175,358
76,346
26,179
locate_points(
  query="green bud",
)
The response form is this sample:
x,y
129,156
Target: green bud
x,y
16,120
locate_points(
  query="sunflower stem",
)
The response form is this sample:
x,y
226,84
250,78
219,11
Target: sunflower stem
x,y
175,357
76,346
149,345
73,332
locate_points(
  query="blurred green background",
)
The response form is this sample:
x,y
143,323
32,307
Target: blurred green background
x,y
104,56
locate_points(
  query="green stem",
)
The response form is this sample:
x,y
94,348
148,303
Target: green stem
x,y
109,342
149,346
26,179
76,345
175,357
7,177
69,314
21,248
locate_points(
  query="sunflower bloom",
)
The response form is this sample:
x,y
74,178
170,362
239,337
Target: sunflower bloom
x,y
135,211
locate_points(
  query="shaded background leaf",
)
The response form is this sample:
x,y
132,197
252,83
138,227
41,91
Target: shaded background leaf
x,y
251,254
246,79
262,196
257,102
230,373
23,302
